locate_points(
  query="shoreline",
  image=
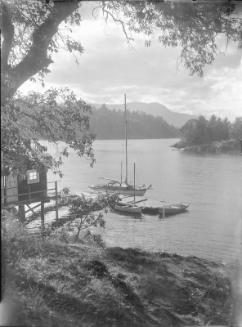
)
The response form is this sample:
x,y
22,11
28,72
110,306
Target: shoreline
x,y
34,226
86,282
230,146
98,286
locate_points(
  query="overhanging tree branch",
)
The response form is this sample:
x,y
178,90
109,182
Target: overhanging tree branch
x,y
37,57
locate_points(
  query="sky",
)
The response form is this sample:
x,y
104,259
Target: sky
x,y
110,66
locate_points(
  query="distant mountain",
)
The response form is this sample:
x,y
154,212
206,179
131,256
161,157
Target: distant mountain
x,y
156,109
109,124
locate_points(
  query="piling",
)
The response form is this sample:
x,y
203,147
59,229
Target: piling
x,y
21,212
42,218
56,202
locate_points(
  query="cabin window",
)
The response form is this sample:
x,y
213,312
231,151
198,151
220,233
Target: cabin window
x,y
32,176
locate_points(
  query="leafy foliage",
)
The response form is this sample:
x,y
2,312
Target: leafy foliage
x,y
236,129
31,37
55,115
202,131
85,213
192,26
32,32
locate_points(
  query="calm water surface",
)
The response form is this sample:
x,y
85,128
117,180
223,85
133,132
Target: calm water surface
x,y
212,184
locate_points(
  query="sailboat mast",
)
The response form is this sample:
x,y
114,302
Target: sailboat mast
x,y
134,182
126,141
121,179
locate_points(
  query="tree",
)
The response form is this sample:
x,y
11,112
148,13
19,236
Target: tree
x,y
236,129
85,213
201,130
192,26
218,129
30,38
188,131
56,115
31,35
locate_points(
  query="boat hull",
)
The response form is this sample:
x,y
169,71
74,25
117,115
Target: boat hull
x,y
126,208
154,208
150,210
173,209
125,191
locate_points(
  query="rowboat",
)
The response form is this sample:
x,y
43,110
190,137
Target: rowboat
x,y
127,208
172,209
154,207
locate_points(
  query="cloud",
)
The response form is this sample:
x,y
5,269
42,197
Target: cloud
x,y
111,66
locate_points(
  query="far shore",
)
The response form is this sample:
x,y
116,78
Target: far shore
x,y
230,146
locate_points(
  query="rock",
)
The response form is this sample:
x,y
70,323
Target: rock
x,y
224,146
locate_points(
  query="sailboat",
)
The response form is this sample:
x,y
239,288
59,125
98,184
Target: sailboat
x,y
115,186
130,207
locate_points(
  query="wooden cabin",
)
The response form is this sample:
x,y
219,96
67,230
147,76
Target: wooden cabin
x,y
24,188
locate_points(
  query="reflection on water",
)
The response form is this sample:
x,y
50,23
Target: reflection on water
x,y
212,184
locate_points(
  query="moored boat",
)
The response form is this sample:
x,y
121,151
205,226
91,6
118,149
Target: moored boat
x,y
124,188
115,186
172,209
127,208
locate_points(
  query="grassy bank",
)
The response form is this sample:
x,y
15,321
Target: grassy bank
x,y
52,283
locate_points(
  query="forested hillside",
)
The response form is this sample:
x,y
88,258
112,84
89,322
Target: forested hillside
x,y
176,119
109,124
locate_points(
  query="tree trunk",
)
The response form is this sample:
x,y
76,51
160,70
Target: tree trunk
x,y
37,57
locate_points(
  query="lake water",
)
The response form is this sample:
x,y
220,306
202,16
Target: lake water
x,y
212,184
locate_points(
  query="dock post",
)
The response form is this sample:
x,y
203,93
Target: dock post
x,y
56,201
42,218
134,182
163,212
21,213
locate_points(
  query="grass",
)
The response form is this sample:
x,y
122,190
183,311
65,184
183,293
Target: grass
x,y
52,283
